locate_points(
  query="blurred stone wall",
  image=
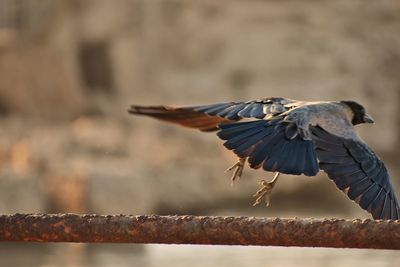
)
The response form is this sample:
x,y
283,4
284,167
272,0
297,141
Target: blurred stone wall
x,y
69,69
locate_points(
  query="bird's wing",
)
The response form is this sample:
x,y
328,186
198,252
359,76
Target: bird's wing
x,y
274,145
208,117
258,109
358,172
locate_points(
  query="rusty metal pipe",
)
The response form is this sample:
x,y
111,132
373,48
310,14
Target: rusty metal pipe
x,y
200,230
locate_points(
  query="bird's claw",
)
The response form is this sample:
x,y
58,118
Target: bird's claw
x,y
265,191
238,170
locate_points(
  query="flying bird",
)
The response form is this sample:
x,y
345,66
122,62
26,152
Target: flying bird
x,y
295,137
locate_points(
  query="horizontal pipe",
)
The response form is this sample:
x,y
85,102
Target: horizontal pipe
x,y
210,230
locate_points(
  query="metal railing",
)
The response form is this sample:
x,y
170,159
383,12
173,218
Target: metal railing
x,y
213,230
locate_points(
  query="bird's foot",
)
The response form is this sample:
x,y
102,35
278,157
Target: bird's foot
x,y
265,191
238,169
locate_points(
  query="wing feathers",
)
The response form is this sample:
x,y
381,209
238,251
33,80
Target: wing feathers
x,y
358,172
265,144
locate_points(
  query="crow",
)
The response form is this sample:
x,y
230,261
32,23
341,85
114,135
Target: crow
x,y
295,137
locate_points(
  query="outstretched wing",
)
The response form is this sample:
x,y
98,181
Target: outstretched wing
x,y
358,172
258,109
208,117
274,145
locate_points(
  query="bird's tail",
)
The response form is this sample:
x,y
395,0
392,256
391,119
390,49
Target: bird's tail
x,y
187,116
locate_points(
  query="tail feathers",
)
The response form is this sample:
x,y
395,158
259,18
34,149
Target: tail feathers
x,y
266,145
186,117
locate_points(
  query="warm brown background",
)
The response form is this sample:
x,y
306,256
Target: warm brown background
x,y
70,68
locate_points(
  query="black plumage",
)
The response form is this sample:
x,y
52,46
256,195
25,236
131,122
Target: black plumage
x,y
296,137
358,172
265,144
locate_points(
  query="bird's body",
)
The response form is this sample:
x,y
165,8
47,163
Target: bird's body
x,y
296,137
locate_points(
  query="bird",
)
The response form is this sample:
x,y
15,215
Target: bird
x,y
294,137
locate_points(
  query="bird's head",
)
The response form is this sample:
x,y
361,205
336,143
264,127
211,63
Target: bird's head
x,y
359,114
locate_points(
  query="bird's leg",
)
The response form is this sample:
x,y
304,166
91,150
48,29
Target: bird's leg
x,y
265,190
238,166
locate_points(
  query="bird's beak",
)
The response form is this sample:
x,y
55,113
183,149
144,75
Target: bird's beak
x,y
368,119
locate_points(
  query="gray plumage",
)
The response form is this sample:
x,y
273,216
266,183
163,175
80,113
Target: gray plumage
x,y
297,137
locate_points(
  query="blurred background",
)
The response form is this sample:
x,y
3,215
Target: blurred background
x,y
69,69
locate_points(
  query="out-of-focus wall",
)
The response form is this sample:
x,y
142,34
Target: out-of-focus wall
x,y
69,70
